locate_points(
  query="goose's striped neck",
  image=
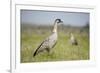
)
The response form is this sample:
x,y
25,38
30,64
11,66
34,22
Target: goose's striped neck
x,y
55,27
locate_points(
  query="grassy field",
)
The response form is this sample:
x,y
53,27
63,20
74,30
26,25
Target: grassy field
x,y
31,37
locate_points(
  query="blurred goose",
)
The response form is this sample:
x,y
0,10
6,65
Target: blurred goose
x,y
73,40
50,41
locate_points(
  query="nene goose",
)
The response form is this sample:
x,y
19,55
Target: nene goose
x,y
49,42
73,40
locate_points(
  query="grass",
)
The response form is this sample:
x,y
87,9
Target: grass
x,y
63,51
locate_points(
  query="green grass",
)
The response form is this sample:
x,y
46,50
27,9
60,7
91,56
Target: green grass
x,y
63,51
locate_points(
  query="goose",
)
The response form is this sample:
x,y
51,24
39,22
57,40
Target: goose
x,y
73,40
50,41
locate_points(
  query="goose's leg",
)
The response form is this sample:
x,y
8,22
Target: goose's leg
x,y
49,51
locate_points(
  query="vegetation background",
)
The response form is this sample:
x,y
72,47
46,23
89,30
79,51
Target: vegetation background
x,y
33,35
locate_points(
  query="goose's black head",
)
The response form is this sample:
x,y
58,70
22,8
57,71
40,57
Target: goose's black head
x,y
58,21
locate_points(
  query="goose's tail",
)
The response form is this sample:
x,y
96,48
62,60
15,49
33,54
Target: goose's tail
x,y
35,53
38,49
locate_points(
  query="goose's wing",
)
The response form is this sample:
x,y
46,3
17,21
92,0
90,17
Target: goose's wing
x,y
76,42
41,47
46,44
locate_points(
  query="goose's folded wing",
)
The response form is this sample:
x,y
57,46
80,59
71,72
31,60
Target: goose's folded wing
x,y
47,43
42,46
